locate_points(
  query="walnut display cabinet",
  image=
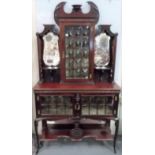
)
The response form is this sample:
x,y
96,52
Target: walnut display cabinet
x,y
76,96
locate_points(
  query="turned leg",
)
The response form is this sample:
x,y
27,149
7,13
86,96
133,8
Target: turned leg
x,y
116,133
37,136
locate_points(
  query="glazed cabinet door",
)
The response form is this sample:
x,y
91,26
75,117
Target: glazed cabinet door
x,y
77,53
98,105
54,105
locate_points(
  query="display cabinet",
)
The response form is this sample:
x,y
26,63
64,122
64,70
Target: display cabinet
x,y
76,96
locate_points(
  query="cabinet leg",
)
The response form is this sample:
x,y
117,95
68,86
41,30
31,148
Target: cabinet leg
x,y
116,133
37,136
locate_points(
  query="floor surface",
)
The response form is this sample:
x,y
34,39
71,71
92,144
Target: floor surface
x,y
86,147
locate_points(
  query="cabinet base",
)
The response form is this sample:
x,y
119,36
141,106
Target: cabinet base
x,y
101,134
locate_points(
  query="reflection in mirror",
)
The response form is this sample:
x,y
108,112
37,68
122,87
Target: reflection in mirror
x,y
102,50
51,56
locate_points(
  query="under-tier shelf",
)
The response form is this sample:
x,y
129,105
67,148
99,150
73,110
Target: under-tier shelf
x,y
97,134
68,128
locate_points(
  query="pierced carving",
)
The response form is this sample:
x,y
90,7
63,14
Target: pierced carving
x,y
76,133
76,13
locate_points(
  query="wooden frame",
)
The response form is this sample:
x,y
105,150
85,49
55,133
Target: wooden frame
x,y
76,17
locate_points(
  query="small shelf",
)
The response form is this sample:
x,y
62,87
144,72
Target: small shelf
x,y
90,128
97,134
50,68
103,68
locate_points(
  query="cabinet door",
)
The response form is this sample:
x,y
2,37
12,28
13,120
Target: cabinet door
x,y
97,105
55,105
77,53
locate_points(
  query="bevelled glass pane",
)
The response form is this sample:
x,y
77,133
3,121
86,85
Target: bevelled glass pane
x,y
85,105
97,105
77,52
93,106
56,105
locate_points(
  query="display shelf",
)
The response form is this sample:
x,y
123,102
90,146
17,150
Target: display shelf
x,y
97,134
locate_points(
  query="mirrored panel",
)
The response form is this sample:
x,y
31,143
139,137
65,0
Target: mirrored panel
x,y
102,50
51,56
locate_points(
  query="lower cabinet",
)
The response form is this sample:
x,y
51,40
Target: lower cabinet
x,y
75,116
76,105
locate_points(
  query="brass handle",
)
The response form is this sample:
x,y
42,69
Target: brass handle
x,y
77,107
